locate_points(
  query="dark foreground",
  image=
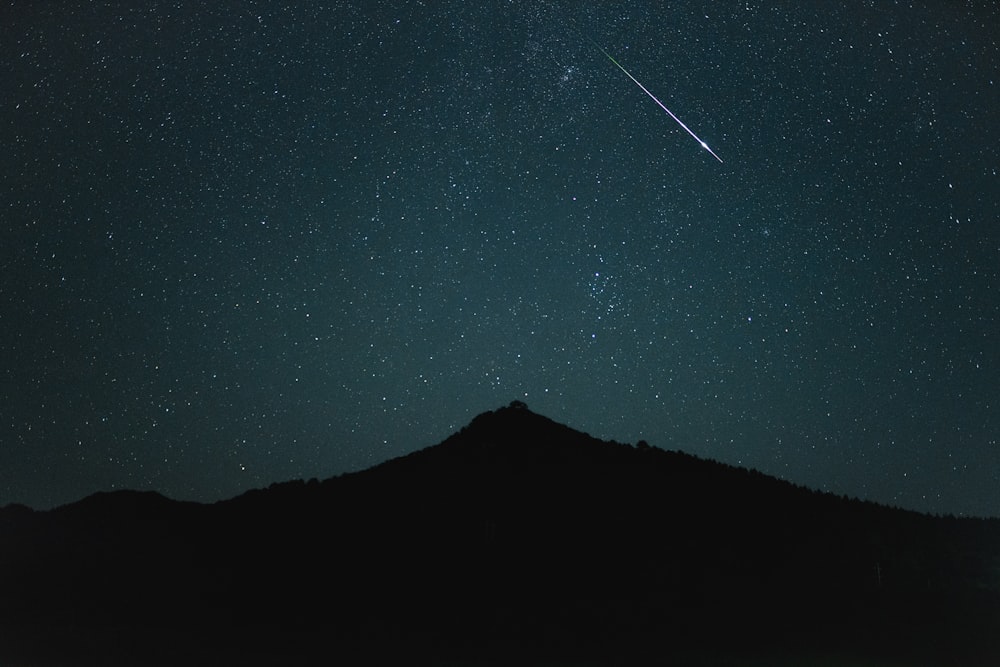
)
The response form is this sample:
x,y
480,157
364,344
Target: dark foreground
x,y
517,540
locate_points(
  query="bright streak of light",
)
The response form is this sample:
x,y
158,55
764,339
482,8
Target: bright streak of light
x,y
662,105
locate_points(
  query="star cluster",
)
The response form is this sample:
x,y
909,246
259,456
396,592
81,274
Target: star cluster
x,y
247,242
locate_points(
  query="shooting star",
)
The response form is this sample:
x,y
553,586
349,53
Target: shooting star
x,y
653,97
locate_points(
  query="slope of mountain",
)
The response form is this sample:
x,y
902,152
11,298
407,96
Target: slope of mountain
x,y
515,539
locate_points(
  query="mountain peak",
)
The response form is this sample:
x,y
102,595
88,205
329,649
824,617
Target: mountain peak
x,y
514,431
511,419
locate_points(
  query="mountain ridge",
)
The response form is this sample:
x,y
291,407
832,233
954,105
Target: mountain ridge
x,y
516,408
514,536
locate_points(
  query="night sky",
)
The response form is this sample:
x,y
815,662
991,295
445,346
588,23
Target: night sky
x,y
244,242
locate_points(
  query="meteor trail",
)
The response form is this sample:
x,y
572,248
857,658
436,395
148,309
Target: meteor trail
x,y
653,97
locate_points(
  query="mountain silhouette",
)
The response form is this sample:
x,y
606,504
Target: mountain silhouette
x,y
517,539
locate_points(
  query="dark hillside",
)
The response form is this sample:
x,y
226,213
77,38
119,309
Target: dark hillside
x,y
515,538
